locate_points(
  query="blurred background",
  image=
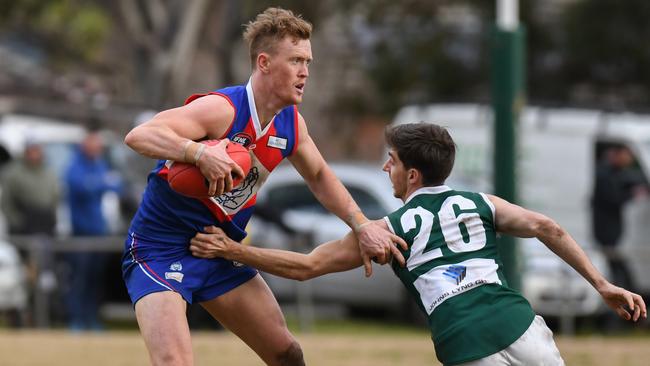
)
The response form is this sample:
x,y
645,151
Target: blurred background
x,y
76,75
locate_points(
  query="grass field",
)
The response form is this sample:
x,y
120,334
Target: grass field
x,y
335,345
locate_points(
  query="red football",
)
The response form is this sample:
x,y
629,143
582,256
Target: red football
x,y
187,179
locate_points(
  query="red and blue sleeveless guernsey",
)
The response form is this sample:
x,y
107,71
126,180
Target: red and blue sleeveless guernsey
x,y
164,213
166,221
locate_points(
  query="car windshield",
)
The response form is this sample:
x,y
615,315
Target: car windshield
x,y
299,197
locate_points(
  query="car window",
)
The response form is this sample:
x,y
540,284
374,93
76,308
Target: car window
x,y
369,205
299,197
294,197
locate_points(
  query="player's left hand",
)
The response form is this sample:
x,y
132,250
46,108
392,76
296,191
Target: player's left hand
x,y
626,304
211,244
378,243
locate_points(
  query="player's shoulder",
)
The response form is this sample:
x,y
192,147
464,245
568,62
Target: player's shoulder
x,y
232,89
431,197
477,197
299,119
212,102
212,111
210,99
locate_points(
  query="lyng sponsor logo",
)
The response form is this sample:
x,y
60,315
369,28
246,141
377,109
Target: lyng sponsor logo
x,y
456,291
456,273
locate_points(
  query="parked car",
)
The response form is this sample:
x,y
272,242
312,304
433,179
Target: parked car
x,y
555,289
552,286
286,194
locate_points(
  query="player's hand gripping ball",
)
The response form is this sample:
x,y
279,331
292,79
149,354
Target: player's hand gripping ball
x,y
187,179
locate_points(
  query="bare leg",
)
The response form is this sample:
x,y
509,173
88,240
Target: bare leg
x,y
252,313
163,324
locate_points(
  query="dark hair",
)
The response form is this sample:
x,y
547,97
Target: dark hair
x,y
270,27
93,124
426,147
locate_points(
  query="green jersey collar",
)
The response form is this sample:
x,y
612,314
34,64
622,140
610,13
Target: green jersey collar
x,y
427,190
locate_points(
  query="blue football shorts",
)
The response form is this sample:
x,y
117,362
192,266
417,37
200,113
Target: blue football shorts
x,y
149,267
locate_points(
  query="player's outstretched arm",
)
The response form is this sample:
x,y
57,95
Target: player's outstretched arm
x,y
334,256
375,241
517,221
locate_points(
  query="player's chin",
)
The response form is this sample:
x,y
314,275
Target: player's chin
x,y
297,99
298,94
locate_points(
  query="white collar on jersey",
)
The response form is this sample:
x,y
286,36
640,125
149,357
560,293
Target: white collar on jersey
x,y
253,109
427,190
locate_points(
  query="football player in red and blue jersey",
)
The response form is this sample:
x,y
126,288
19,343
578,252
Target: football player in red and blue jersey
x,y
160,273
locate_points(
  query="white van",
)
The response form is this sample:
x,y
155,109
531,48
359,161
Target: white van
x,y
557,152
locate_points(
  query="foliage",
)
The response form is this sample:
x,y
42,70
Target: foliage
x,y
69,29
607,47
414,52
595,53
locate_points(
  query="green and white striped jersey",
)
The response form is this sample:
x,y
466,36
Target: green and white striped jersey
x,y
454,272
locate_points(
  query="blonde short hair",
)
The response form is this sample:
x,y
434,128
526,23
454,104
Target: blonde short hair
x,y
270,27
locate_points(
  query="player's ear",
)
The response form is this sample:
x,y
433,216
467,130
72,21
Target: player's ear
x,y
263,62
413,175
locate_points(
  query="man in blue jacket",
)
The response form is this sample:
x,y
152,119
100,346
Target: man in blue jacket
x,y
88,178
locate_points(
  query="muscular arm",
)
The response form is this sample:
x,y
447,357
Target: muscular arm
x,y
517,221
374,241
168,136
333,256
164,136
327,188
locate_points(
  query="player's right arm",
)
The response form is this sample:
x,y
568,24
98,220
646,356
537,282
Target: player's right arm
x,y
333,256
517,221
169,135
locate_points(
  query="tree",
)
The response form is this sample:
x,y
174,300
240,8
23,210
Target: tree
x,y
67,29
164,36
607,53
419,52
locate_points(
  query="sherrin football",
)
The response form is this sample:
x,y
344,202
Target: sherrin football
x,y
187,179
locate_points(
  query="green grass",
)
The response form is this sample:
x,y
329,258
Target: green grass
x,y
361,327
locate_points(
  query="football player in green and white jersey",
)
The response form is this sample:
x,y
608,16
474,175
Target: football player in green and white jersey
x,y
452,264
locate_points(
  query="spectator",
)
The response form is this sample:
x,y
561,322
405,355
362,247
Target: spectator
x,y
617,181
30,194
29,200
88,178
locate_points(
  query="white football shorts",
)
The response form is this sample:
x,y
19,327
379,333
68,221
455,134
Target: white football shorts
x,y
535,347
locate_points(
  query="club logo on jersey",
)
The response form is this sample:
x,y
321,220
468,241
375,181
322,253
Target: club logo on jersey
x,y
455,273
277,142
243,139
176,266
241,194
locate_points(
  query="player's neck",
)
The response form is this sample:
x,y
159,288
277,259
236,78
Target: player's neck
x,y
410,189
266,103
